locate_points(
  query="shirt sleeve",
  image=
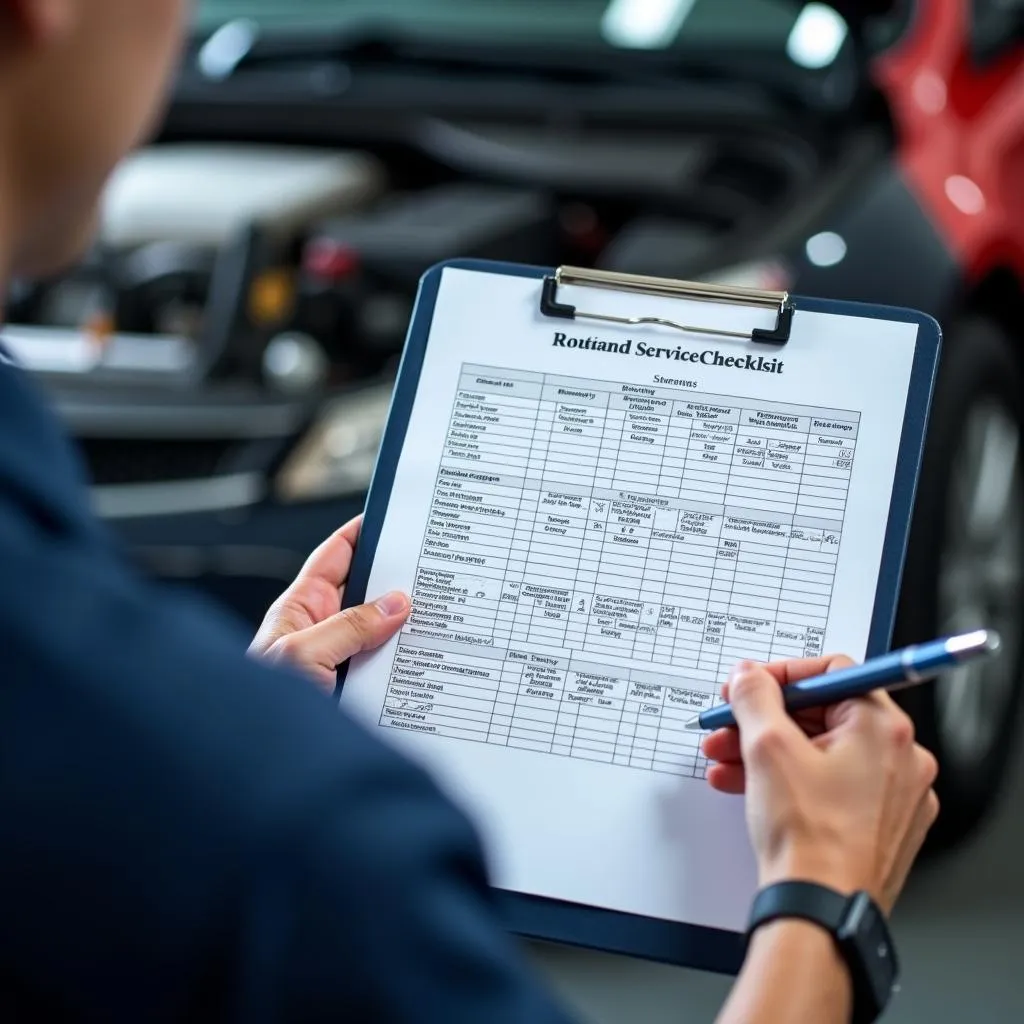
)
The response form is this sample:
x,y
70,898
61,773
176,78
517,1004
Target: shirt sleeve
x,y
382,908
187,833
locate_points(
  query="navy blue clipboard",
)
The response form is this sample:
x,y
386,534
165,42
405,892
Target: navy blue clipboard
x,y
572,924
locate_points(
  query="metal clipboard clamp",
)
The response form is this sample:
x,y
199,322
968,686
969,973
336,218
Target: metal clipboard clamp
x,y
727,294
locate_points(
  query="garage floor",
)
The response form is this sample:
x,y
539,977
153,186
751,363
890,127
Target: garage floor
x,y
959,929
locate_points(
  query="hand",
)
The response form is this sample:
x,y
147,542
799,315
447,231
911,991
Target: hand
x,y
306,626
840,796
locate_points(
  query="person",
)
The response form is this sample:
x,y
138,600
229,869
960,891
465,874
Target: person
x,y
193,831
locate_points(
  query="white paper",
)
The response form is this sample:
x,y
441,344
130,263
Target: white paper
x,y
590,549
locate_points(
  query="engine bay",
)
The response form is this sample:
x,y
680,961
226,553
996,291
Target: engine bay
x,y
293,269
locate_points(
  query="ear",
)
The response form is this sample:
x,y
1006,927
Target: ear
x,y
39,21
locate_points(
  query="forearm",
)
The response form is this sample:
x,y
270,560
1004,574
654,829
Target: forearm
x,y
792,973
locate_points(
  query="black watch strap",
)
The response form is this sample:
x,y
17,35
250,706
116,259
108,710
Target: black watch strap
x,y
799,899
856,926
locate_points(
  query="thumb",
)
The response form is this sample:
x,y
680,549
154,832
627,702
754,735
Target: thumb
x,y
324,646
766,729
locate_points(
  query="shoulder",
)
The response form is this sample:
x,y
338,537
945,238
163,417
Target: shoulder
x,y
156,779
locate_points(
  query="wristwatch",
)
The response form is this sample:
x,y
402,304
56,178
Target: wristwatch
x,y
858,928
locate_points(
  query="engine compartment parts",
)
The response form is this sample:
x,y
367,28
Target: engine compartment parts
x,y
360,272
203,194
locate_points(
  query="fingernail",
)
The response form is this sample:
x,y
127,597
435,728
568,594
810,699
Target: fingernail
x,y
739,668
392,604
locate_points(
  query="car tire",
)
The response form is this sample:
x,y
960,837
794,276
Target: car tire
x,y
965,563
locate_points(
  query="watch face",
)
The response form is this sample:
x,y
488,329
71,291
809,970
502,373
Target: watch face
x,y
865,930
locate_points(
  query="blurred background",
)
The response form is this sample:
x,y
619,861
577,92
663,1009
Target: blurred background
x,y
225,355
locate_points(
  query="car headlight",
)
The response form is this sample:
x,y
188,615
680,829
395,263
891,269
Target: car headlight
x,y
336,458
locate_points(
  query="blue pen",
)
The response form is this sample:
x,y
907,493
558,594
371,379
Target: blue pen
x,y
893,671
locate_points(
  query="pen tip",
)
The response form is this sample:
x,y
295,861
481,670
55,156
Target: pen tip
x,y
694,724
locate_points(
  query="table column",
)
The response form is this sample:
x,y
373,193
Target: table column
x,y
464,571
446,693
710,450
831,449
757,587
677,750
626,735
642,447
761,500
611,438
807,584
644,701
554,563
598,697
578,427
689,579
821,508
615,615
565,723
792,638
506,697
536,710
493,417
657,612
789,641
623,557
768,461
458,584
666,524
571,467
677,448
711,664
713,430
652,584
526,521
581,616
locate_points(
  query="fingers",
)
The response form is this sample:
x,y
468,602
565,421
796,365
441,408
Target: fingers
x,y
728,778
332,560
724,745
765,728
925,816
876,716
794,670
319,649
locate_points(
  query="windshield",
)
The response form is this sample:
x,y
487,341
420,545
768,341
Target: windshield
x,y
810,34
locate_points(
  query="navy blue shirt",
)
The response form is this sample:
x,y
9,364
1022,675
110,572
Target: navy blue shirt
x,y
185,834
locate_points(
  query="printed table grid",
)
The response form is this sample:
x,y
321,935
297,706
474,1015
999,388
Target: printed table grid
x,y
575,520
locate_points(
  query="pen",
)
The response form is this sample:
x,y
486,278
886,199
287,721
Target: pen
x,y
908,667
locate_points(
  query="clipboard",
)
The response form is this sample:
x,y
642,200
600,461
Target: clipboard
x,y
570,923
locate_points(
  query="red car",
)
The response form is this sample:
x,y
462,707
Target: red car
x,y
954,84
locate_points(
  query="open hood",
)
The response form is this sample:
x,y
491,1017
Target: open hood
x,y
794,48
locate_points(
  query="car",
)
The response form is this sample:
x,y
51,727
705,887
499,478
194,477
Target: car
x,y
225,355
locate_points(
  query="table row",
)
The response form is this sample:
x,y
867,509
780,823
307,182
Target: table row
x,y
492,385
660,434
541,707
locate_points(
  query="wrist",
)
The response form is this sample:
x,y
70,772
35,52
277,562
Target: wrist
x,y
832,870
801,963
854,925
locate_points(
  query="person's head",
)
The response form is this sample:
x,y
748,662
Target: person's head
x,y
81,83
